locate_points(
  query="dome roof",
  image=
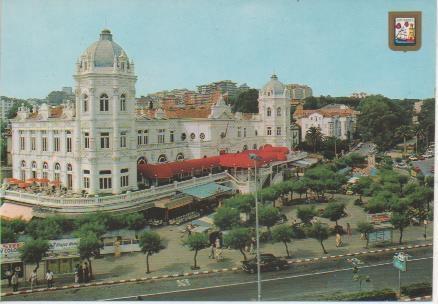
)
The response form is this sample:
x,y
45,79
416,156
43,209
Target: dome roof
x,y
104,50
274,87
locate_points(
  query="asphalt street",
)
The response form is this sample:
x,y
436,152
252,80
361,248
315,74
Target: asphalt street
x,y
301,282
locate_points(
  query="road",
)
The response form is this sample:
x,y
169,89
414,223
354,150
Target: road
x,y
300,282
364,150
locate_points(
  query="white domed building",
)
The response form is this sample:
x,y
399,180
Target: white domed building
x,y
97,142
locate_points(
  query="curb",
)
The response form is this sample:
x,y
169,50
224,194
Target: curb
x,y
424,298
196,273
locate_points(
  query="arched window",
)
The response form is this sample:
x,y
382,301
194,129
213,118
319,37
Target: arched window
x,y
180,156
123,102
69,167
183,136
245,147
254,146
23,164
57,167
56,175
202,136
45,169
268,112
162,158
192,135
45,166
104,103
23,171
69,176
85,103
278,111
34,165
142,161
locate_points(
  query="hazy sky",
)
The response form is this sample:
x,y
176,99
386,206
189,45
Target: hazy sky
x,y
335,46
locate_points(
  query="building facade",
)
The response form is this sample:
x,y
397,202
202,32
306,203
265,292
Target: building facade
x,y
334,120
96,143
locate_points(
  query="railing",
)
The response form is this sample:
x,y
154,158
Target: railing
x,y
127,198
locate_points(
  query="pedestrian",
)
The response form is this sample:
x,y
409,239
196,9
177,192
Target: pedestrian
x,y
77,273
253,245
14,280
219,256
49,278
338,240
349,232
8,274
362,236
211,256
86,273
218,243
33,279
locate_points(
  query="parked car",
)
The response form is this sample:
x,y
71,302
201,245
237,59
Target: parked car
x,y
421,157
268,262
413,157
282,219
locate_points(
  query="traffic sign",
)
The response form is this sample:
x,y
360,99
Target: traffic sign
x,y
399,262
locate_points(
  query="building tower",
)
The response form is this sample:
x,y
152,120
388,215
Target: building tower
x,y
105,148
274,111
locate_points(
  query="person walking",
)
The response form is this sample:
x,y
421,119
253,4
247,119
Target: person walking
x,y
349,232
338,240
86,273
211,256
33,279
253,245
49,278
77,273
14,280
8,274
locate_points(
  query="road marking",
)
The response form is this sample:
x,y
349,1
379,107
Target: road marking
x,y
253,282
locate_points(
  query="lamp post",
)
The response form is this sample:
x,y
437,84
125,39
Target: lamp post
x,y
259,283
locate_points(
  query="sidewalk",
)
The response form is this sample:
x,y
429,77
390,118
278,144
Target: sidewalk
x,y
176,258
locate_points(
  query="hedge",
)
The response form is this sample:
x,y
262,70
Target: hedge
x,y
417,290
376,295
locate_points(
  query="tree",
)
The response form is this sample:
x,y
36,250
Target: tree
x,y
334,212
365,228
96,228
14,109
314,137
226,218
150,243
135,221
306,214
318,179
400,221
300,187
319,232
7,234
33,251
283,233
402,180
403,132
362,186
47,229
268,216
57,97
426,118
89,246
246,102
269,194
237,239
242,202
197,242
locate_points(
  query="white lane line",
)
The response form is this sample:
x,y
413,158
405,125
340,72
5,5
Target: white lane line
x,y
252,282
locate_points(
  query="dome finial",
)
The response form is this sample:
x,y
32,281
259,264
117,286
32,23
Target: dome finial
x,y
106,35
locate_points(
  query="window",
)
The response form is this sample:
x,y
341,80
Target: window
x,y
56,141
105,172
86,182
87,140
105,183
86,171
256,133
123,102
254,146
33,143
239,132
192,135
268,112
126,170
124,179
57,171
34,168
278,130
23,170
85,103
180,156
104,140
139,137
22,141
123,139
44,141
104,103
161,136
69,146
269,131
69,168
202,136
245,147
244,132
69,181
278,111
172,136
45,170
162,158
145,137
183,136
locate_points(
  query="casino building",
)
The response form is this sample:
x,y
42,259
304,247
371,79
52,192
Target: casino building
x,y
97,142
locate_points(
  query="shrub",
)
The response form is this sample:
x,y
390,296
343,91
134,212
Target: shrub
x,y
375,295
417,289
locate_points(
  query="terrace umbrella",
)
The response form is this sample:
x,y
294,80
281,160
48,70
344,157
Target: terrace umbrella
x,y
56,183
43,180
14,181
32,180
23,185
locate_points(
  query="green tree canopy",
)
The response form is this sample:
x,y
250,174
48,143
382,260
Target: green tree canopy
x,y
89,246
365,228
319,232
284,234
48,229
135,221
150,243
306,214
247,102
268,216
197,242
33,251
238,238
400,221
314,138
226,218
57,97
334,211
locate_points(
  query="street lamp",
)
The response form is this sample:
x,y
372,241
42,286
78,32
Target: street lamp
x,y
254,157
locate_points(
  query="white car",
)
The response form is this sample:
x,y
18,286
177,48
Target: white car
x,y
413,158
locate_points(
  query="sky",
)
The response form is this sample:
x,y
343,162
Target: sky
x,y
337,47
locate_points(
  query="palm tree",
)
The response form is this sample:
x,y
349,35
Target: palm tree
x,y
314,136
403,131
419,133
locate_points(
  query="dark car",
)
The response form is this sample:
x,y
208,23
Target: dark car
x,y
268,262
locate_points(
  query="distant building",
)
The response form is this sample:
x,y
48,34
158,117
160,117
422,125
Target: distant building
x,y
335,120
359,95
5,107
242,88
224,86
417,109
67,90
299,91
